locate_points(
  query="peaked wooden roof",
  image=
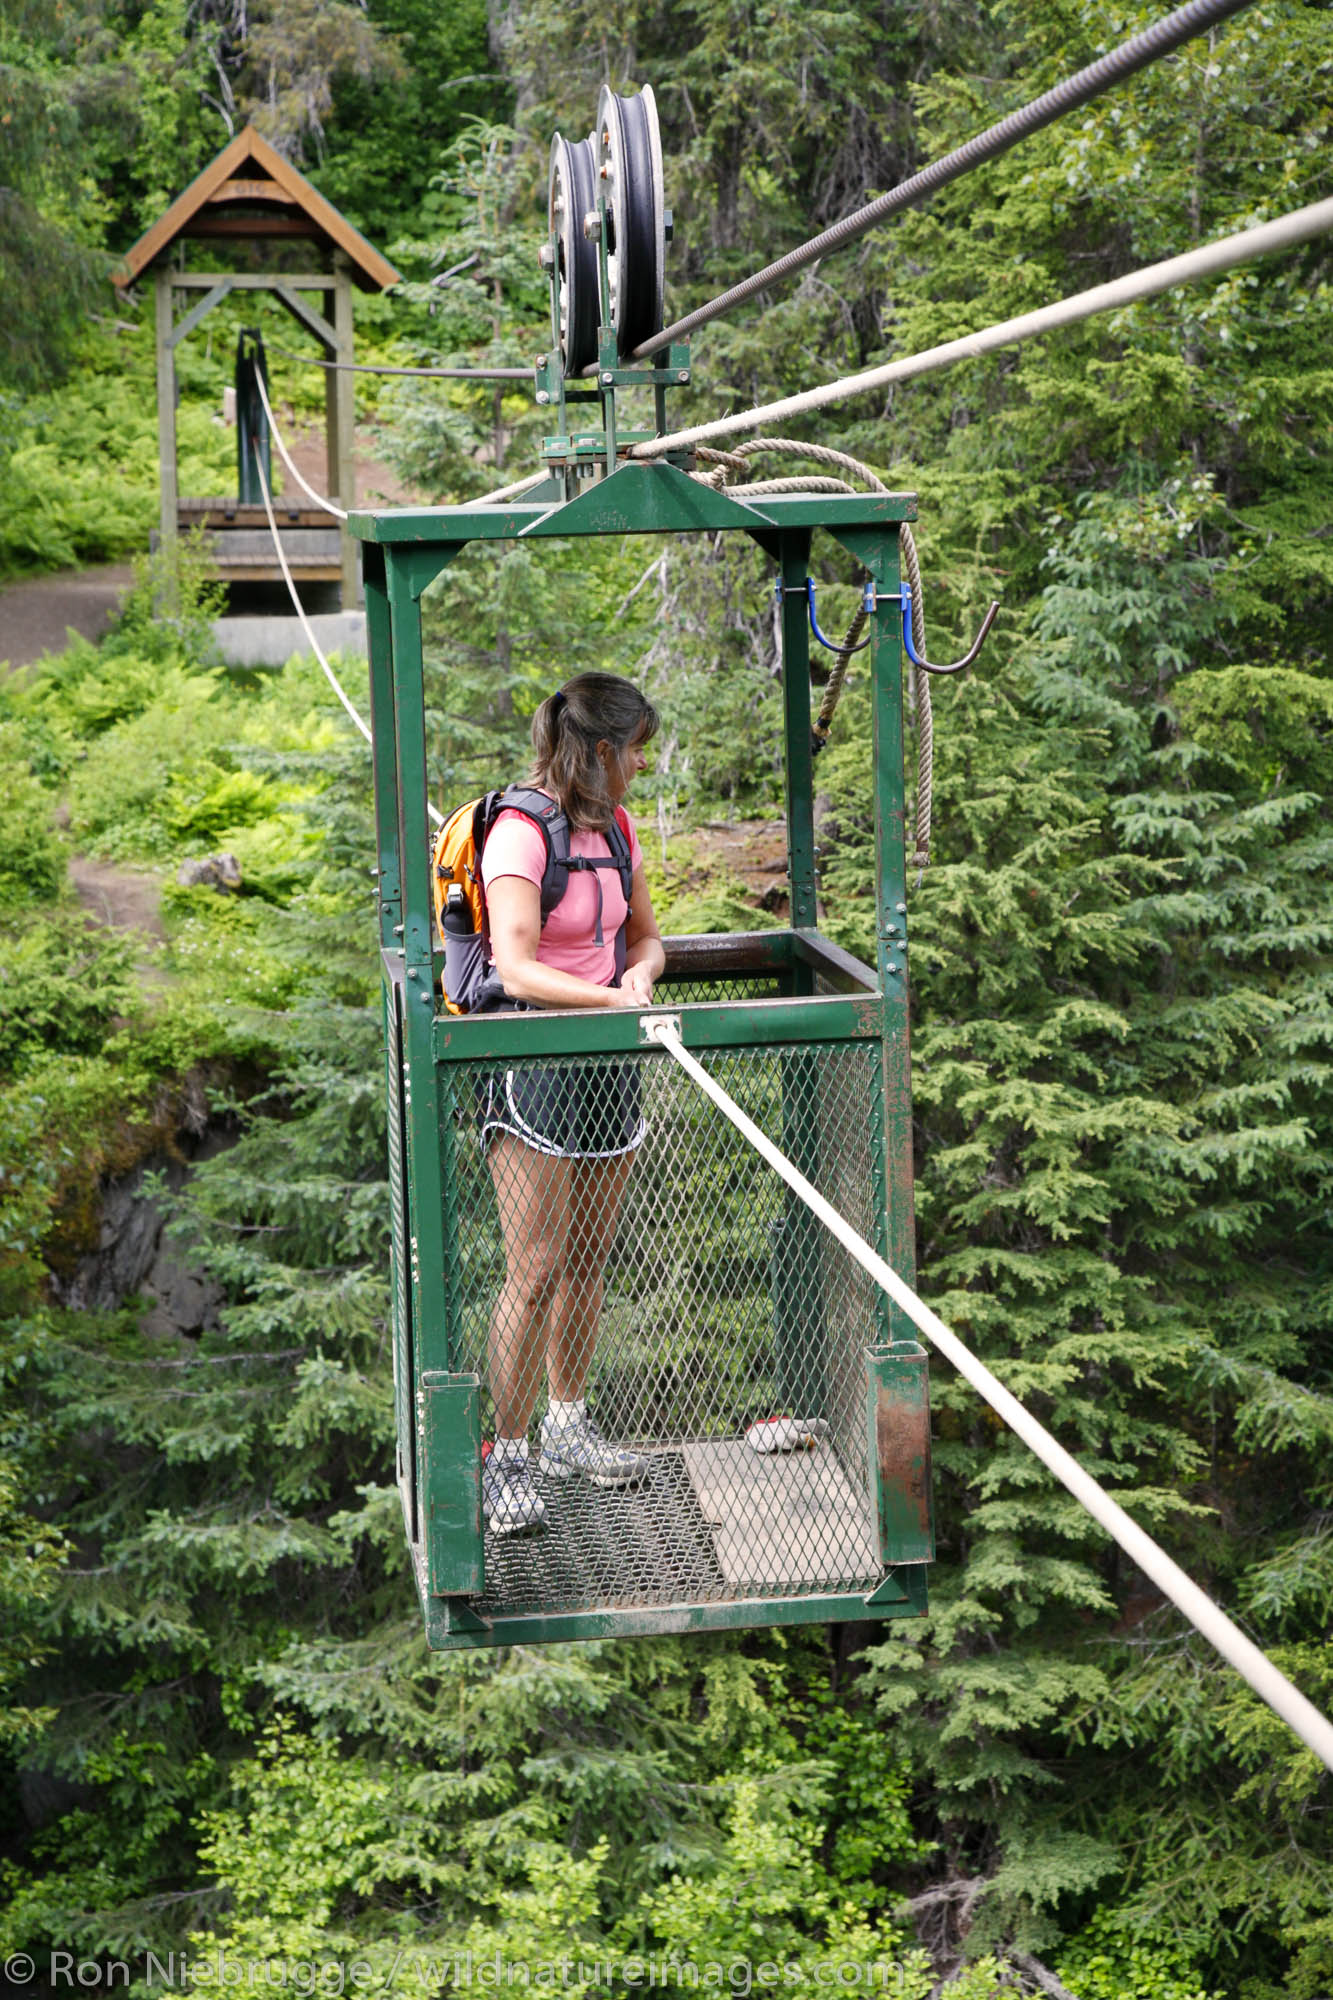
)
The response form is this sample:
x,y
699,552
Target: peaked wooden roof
x,y
250,191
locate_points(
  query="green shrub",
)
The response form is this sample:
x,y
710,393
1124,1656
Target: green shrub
x,y
32,862
62,982
1106,1962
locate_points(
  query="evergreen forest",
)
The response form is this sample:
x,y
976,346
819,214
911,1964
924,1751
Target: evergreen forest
x,y
222,1738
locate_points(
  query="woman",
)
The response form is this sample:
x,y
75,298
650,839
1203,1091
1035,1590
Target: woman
x,y
560,1140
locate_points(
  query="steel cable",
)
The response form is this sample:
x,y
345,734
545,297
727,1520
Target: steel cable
x,y
1135,54
383,368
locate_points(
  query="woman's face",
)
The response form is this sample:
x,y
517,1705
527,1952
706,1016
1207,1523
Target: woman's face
x,y
621,766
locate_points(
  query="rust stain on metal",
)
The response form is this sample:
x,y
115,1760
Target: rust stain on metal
x,y
902,1445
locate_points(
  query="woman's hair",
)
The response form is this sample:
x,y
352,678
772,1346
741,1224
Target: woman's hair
x,y
590,709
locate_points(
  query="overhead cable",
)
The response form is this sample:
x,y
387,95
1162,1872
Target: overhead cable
x,y
330,507
1208,1618
1286,233
1135,54
524,485
383,368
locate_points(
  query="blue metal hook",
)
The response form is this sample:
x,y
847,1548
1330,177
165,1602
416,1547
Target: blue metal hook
x,y
874,598
780,590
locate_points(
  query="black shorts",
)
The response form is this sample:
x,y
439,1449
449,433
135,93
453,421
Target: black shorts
x,y
589,1112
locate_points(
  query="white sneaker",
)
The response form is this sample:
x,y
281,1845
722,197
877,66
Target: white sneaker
x,y
511,1501
580,1447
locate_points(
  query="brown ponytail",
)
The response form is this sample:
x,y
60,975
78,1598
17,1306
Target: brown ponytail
x,y
590,709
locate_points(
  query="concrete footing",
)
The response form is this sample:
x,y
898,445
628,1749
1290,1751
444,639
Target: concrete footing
x,y
271,642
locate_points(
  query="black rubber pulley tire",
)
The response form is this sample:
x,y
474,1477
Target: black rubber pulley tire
x,y
629,153
572,194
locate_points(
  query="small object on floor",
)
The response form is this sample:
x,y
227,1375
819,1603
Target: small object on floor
x,y
579,1447
786,1434
512,1504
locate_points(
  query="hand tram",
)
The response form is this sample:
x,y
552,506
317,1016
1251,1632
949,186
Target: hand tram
x,y
776,1398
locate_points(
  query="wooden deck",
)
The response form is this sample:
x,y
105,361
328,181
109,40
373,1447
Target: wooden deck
x,y
238,539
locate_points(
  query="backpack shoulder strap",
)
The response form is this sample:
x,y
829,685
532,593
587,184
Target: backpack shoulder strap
x,y
549,816
617,839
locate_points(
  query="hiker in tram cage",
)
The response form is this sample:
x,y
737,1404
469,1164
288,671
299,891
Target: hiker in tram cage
x,y
567,921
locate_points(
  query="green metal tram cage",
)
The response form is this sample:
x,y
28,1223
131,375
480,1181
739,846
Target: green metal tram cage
x,y
725,1303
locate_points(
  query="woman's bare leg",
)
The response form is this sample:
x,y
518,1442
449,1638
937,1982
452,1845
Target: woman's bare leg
x,y
594,1198
533,1191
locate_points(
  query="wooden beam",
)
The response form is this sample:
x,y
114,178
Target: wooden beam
x,y
166,405
201,311
249,228
235,190
343,440
246,281
314,322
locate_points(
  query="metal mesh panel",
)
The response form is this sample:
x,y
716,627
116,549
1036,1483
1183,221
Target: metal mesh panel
x,y
681,991
398,1234
669,1269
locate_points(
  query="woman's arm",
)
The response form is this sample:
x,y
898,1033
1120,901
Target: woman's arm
x,y
514,911
645,960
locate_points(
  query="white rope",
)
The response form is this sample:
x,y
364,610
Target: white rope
x,y
1207,261
1208,1618
508,492
318,498
315,647
483,500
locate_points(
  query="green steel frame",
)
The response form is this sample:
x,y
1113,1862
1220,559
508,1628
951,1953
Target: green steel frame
x,y
830,997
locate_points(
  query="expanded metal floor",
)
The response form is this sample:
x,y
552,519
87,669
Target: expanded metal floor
x,y
711,1524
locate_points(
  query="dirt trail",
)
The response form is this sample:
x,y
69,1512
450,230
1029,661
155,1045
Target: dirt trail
x,y
124,899
377,484
753,850
37,614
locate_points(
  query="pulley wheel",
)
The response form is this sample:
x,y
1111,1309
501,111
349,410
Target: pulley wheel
x,y
629,148
572,192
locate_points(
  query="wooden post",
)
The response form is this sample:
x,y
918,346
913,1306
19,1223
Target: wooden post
x,y
342,428
332,467
166,403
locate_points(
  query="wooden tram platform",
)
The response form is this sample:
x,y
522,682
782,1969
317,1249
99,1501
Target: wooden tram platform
x,y
238,540
246,196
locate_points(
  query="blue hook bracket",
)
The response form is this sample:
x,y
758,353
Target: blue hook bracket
x,y
874,598
781,590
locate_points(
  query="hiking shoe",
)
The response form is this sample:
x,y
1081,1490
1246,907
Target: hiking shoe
x,y
580,1447
512,1504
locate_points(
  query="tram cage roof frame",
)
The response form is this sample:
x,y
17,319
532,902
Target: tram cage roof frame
x,y
829,1000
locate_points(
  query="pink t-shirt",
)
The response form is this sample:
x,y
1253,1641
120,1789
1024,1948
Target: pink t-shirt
x,y
514,846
